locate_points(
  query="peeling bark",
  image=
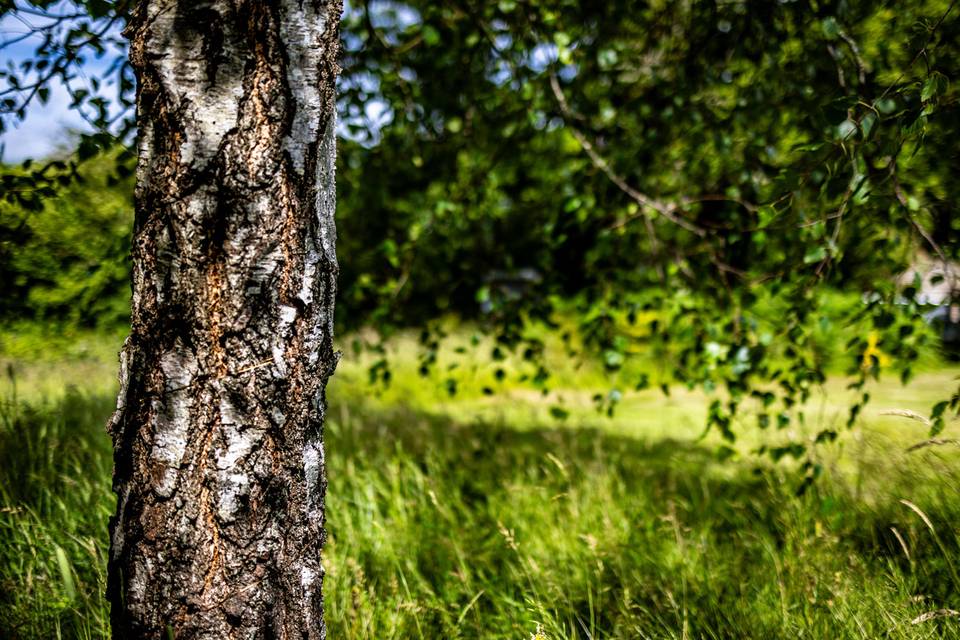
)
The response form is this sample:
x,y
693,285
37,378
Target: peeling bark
x,y
218,441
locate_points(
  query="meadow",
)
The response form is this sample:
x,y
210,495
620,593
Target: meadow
x,y
476,516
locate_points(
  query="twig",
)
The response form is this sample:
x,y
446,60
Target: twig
x,y
258,365
906,413
933,442
667,210
939,613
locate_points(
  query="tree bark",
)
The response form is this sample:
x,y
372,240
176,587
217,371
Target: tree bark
x,y
218,441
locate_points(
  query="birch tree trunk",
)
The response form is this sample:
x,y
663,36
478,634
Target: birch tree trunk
x,y
219,464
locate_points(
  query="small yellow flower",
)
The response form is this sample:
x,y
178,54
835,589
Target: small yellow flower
x,y
873,351
539,634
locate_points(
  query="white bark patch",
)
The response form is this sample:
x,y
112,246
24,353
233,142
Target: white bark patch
x,y
309,274
212,107
327,190
167,262
279,359
141,576
124,378
315,335
326,204
232,487
307,579
313,461
228,413
302,28
145,144
172,414
240,441
260,273
287,314
117,540
307,576
239,445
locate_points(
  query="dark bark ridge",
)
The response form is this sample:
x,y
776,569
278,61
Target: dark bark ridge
x,y
218,442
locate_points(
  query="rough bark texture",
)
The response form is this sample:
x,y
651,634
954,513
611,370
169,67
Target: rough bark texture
x,y
218,432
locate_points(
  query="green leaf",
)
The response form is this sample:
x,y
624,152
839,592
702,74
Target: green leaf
x,y
66,573
815,254
935,85
867,123
612,360
431,36
831,30
937,421
389,248
643,382
766,214
454,125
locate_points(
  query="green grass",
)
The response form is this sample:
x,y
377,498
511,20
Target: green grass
x,y
476,517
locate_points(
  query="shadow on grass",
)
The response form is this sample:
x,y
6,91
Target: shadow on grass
x,y
599,535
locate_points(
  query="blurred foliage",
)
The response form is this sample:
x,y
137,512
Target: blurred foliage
x,y
68,261
685,177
